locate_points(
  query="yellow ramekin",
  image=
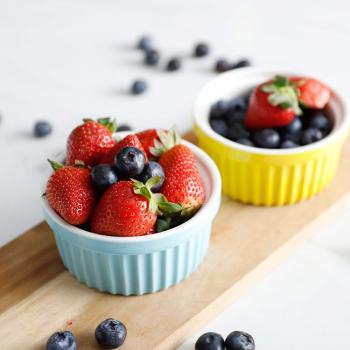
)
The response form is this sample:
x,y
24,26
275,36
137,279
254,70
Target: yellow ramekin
x,y
268,176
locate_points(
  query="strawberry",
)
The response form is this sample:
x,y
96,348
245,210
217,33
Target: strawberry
x,y
70,193
90,141
129,208
182,184
147,139
273,104
130,140
312,93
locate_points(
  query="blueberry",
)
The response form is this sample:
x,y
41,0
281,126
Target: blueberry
x,y
245,141
218,109
310,135
236,111
219,126
103,176
129,162
145,43
64,340
138,87
320,121
153,169
173,64
237,131
201,49
267,138
124,127
110,333
42,128
294,127
222,65
151,57
238,340
241,64
288,144
210,341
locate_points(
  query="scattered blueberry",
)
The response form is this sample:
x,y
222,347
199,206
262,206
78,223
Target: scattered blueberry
x,y
110,333
238,340
145,43
310,135
320,121
201,49
138,87
237,131
42,128
288,144
173,64
151,57
103,176
241,64
150,170
219,126
129,162
64,340
245,141
267,138
218,109
210,341
222,65
124,127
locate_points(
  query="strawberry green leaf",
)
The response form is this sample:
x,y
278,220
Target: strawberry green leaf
x,y
282,93
168,139
162,225
168,208
79,163
55,165
111,125
153,181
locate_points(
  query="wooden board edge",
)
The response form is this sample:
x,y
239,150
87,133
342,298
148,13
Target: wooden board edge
x,y
258,273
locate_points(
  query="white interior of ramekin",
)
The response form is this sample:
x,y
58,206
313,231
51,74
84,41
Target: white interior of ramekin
x,y
212,183
234,83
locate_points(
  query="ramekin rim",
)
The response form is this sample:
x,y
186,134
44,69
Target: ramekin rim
x,y
335,134
208,206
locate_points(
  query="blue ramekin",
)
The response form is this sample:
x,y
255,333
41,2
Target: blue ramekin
x,y
145,264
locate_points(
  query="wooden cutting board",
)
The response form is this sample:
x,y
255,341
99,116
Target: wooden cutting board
x,y
38,296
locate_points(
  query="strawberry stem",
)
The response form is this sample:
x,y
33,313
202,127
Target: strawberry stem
x,y
283,93
157,201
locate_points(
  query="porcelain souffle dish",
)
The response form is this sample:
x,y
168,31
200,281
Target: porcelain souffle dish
x,y
142,264
263,176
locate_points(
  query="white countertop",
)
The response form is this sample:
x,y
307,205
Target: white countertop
x,y
65,60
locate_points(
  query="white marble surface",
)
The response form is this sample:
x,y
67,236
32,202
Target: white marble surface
x,y
63,60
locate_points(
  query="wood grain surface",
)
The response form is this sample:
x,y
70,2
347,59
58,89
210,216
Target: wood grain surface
x,y
38,296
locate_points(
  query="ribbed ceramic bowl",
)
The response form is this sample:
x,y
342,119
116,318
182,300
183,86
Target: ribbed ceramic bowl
x,y
146,264
268,176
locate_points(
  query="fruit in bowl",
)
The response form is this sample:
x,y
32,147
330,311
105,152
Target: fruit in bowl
x,y
284,112
134,216
275,135
115,189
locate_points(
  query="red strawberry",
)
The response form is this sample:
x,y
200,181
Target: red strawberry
x,y
122,212
312,93
183,183
147,139
130,140
90,141
70,193
272,104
